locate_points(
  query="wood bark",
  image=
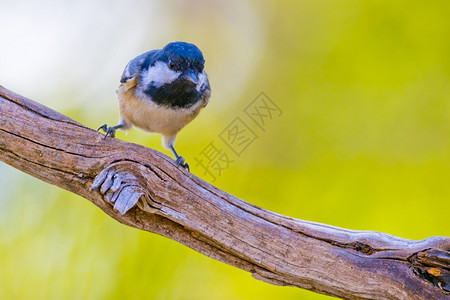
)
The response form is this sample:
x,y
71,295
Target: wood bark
x,y
176,204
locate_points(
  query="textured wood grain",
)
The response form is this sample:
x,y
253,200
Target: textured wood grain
x,y
176,204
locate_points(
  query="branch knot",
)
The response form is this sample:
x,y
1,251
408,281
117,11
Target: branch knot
x,y
123,184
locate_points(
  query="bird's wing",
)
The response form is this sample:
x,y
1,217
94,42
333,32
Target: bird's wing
x,y
207,93
135,65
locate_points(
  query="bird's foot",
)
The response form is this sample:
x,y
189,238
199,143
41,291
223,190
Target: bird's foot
x,y
110,131
181,162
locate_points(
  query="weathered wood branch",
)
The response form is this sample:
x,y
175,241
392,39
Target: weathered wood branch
x,y
176,204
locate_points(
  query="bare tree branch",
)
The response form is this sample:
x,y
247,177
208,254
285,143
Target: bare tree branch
x,y
178,205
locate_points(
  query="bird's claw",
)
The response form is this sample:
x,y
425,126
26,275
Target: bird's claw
x,y
110,131
181,162
104,127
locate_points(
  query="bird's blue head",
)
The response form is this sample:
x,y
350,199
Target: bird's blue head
x,y
185,58
175,75
182,56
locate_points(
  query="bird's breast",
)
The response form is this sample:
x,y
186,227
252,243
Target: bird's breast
x,y
141,111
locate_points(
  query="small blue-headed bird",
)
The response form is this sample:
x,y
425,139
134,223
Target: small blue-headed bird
x,y
162,91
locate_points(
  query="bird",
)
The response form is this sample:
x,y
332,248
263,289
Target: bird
x,y
161,91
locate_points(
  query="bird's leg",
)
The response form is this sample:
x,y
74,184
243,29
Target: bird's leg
x,y
179,159
110,131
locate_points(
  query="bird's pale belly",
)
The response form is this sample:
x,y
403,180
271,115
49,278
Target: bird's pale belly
x,y
152,117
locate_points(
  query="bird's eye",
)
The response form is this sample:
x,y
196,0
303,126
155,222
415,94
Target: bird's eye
x,y
172,65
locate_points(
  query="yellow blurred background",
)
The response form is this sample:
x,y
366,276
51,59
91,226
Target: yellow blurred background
x,y
363,141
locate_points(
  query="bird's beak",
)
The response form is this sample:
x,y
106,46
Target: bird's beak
x,y
191,76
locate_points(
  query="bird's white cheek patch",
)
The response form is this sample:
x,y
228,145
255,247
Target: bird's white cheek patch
x,y
202,77
159,74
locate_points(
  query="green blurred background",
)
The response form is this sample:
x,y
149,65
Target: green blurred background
x,y
363,142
